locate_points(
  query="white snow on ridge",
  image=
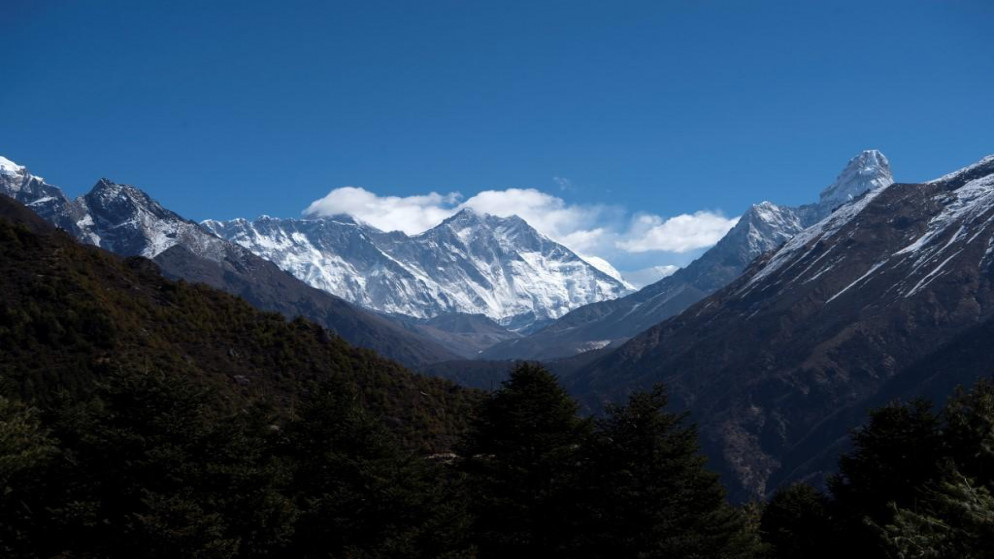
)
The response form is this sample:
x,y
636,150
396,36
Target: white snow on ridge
x,y
470,263
8,167
788,255
967,169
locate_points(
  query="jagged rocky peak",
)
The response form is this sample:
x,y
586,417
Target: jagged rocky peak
x,y
124,199
867,171
766,225
106,189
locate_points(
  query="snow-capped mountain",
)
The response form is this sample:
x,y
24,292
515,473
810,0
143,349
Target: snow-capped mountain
x,y
762,228
116,217
471,263
125,220
890,296
44,199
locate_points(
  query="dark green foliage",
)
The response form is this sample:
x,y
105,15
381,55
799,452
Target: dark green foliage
x,y
796,523
953,514
648,493
69,314
955,519
172,420
546,483
522,457
968,430
916,484
167,404
897,452
359,494
150,468
894,453
26,450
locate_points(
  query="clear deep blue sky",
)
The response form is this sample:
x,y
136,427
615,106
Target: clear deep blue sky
x,y
225,109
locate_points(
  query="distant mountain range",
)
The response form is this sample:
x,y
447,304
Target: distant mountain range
x,y
762,228
126,221
471,282
777,339
471,263
890,296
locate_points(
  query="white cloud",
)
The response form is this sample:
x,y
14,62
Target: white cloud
x,y
682,233
410,214
602,233
577,226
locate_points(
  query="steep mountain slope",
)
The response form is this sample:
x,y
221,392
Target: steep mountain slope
x,y
126,221
470,263
70,314
762,228
856,306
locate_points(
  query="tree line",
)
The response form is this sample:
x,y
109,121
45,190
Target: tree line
x,y
148,466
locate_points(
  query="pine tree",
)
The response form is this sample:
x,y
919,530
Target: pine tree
x,y
648,493
152,470
522,460
968,431
954,520
796,523
895,454
359,493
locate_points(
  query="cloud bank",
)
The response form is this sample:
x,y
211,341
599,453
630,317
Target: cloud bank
x,y
601,233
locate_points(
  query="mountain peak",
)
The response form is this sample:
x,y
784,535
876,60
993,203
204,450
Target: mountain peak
x,y
465,215
106,189
8,167
867,171
104,184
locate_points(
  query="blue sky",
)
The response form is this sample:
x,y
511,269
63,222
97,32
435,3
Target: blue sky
x,y
614,111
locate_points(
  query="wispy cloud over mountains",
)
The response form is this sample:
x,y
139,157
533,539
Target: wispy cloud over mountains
x,y
600,231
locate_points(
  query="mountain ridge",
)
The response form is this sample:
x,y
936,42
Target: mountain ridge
x,y
761,228
848,310
127,221
471,263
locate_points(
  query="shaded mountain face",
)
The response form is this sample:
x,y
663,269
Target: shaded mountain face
x,y
872,302
126,221
471,263
762,228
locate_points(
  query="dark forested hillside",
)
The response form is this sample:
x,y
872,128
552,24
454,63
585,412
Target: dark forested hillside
x,y
128,222
141,417
70,314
